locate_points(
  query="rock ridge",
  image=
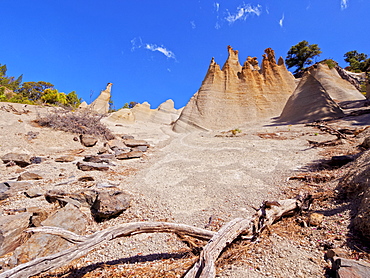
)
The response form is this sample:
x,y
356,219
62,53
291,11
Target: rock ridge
x,y
235,95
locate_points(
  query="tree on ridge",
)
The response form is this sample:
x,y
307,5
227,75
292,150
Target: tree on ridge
x,y
301,54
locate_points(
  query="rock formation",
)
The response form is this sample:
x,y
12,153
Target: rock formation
x,y
340,90
101,104
319,96
310,102
164,114
235,94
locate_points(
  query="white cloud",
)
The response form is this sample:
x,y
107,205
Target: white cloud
x,y
243,12
137,43
217,6
162,49
281,21
193,26
344,4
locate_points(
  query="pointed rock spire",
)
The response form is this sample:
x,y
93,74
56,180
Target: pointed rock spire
x,y
310,102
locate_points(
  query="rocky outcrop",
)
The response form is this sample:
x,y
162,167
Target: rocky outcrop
x,y
309,102
39,245
124,115
354,185
235,95
101,104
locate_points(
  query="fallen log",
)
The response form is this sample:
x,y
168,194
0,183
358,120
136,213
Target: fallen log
x,y
249,228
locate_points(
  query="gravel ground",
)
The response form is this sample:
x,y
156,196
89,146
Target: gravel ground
x,y
200,179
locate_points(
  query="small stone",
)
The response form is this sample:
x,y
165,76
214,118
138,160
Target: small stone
x,y
315,219
86,179
89,166
65,158
88,140
29,176
127,137
33,192
135,143
129,155
140,148
37,159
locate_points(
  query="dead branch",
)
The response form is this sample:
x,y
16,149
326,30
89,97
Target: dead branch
x,y
328,143
268,213
329,129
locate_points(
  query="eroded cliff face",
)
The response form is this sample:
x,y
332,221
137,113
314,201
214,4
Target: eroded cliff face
x,y
235,95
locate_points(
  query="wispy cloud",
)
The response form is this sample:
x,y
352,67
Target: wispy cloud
x,y
281,21
344,4
193,26
242,12
161,49
217,6
137,43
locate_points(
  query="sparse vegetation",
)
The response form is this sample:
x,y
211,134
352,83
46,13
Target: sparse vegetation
x,y
78,122
13,90
235,131
330,62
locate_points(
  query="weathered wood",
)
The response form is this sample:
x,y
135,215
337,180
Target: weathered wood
x,y
88,243
268,213
265,216
205,267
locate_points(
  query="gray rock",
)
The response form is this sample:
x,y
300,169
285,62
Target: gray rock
x,y
37,159
110,204
4,188
40,244
88,140
89,166
129,155
103,158
33,192
140,148
347,268
11,229
10,188
29,176
21,160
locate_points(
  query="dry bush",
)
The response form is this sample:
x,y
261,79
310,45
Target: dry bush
x,y
78,122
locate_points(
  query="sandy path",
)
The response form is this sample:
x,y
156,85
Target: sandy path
x,y
196,176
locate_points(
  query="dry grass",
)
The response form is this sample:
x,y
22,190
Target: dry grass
x,y
77,122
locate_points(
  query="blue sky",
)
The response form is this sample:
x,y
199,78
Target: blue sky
x,y
153,50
